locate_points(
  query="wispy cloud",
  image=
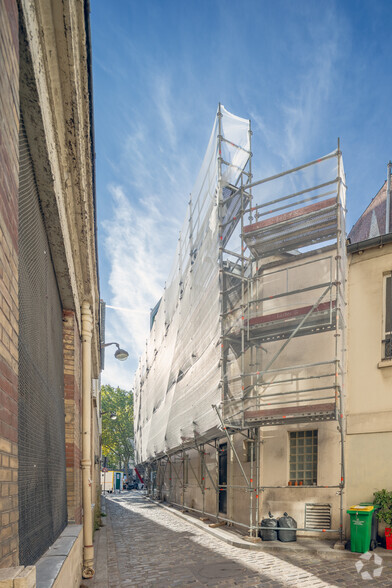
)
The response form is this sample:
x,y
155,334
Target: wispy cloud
x,y
300,114
163,101
148,203
140,254
159,149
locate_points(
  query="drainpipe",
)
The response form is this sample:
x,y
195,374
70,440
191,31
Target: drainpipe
x,y
388,200
88,548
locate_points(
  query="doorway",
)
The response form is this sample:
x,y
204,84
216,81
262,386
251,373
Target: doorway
x,y
223,478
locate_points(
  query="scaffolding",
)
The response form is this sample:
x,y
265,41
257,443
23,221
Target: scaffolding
x,y
250,332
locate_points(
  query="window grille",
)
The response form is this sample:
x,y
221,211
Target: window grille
x,y
41,426
303,458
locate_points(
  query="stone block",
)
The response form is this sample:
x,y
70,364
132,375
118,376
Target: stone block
x,y
48,569
27,578
5,445
7,576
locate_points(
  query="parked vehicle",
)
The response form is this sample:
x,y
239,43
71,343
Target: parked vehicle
x,y
111,481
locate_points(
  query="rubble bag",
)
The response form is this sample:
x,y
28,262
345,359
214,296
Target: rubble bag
x,y
269,534
286,535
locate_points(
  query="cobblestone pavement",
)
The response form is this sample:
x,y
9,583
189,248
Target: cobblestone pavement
x,y
144,545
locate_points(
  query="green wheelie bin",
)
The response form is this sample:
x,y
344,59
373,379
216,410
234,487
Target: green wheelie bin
x,y
361,517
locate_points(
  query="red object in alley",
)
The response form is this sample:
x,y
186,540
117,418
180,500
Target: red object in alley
x,y
388,538
139,476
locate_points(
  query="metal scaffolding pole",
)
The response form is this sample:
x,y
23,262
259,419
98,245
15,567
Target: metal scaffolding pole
x,y
252,451
251,299
221,272
274,358
339,310
202,468
217,489
183,478
261,313
231,444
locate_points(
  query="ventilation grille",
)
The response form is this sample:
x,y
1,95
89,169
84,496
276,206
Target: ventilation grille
x,y
317,516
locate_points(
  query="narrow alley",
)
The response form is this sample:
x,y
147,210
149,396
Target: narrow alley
x,y
143,544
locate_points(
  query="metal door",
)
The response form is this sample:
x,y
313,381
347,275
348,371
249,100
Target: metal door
x,y
223,478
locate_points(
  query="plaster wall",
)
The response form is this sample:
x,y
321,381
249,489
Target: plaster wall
x,y
369,382
273,471
196,480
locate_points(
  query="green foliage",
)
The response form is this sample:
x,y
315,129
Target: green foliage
x,y
97,523
117,435
97,512
384,499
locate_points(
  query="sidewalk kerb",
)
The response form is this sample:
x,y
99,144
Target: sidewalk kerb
x,y
279,549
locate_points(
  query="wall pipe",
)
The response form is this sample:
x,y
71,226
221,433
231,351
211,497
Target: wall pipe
x,y
88,548
258,469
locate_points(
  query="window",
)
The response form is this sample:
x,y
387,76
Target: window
x,y
387,340
303,458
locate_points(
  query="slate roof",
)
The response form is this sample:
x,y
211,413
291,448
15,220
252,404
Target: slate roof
x,y
372,222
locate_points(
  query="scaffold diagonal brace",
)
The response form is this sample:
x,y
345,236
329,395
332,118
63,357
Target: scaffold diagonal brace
x,y
231,444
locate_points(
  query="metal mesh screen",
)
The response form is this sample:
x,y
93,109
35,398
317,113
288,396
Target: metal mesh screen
x,y
42,477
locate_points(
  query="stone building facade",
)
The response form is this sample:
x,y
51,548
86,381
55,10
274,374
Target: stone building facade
x,y
73,410
49,349
9,157
369,403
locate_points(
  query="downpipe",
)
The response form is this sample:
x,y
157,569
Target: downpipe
x,y
88,548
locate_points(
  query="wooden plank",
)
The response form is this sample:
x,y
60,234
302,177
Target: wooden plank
x,y
288,314
284,412
298,212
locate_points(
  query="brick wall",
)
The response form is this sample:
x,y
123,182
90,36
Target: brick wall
x,y
9,129
73,412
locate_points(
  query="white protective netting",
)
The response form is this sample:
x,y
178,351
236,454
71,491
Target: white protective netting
x,y
178,378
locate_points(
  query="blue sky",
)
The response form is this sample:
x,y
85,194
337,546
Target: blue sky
x,y
304,72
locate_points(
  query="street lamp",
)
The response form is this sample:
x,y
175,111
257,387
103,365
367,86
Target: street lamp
x,y
120,354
